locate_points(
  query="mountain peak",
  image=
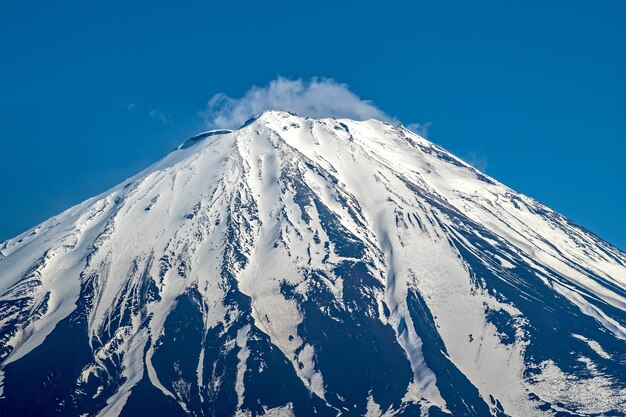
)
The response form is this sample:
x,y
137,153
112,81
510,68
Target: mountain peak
x,y
302,266
270,116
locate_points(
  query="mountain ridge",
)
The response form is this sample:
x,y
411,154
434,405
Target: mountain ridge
x,y
440,286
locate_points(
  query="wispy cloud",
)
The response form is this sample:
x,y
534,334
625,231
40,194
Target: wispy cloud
x,y
319,97
419,128
476,159
128,106
160,116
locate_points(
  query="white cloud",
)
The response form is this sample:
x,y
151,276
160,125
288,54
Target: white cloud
x,y
128,106
319,97
477,159
160,116
419,128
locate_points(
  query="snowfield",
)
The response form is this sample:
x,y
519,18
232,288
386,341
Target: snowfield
x,y
299,267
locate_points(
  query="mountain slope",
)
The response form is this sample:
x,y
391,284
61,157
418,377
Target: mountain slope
x,y
300,267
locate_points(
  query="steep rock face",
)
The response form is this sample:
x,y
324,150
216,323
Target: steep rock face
x,y
311,267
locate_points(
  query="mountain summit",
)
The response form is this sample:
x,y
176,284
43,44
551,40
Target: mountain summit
x,y
300,267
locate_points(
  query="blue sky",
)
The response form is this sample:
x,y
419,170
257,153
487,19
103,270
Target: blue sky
x,y
534,92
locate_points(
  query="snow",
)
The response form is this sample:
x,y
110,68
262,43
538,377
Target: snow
x,y
380,181
242,356
593,395
594,345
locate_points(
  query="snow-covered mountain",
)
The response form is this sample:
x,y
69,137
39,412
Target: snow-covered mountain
x,y
311,267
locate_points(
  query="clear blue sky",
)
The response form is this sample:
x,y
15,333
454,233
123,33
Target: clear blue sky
x,y
91,92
